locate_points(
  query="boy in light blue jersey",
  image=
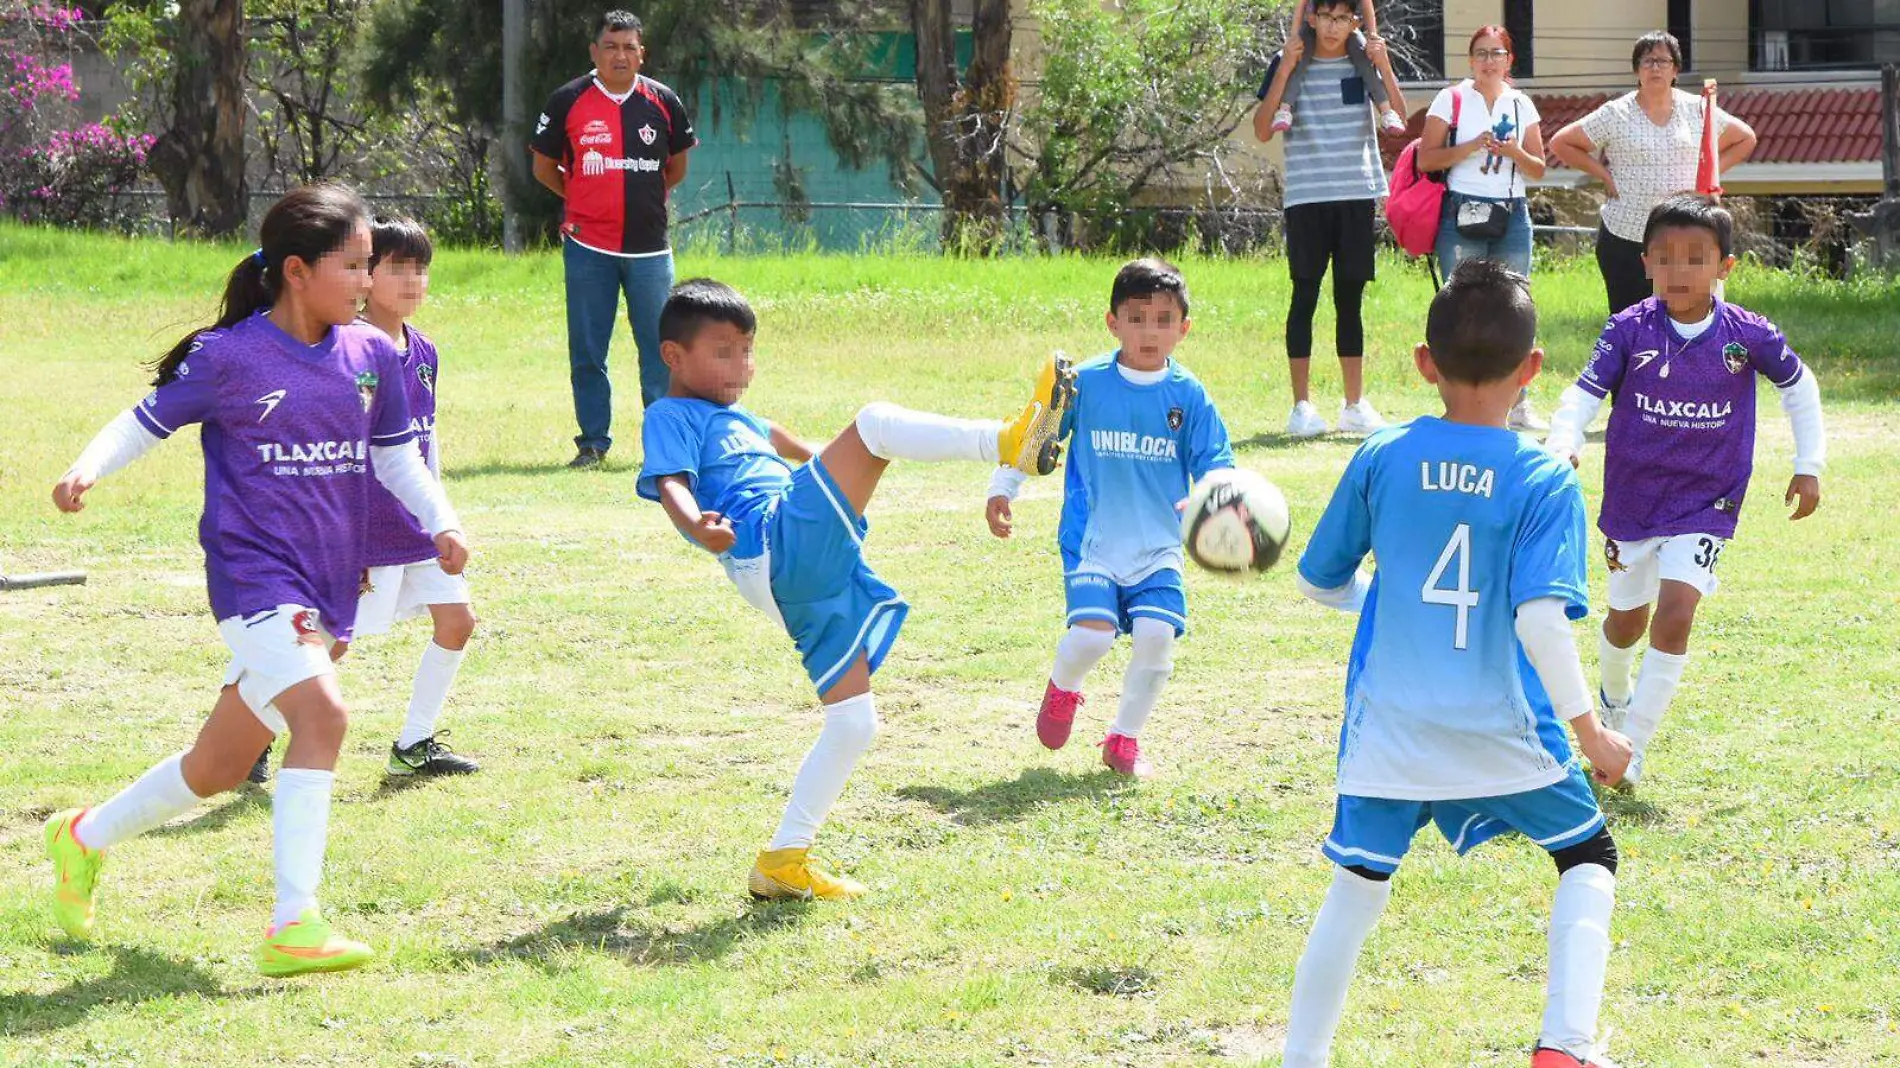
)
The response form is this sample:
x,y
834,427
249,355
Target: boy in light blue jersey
x,y
1141,431
1464,667
787,522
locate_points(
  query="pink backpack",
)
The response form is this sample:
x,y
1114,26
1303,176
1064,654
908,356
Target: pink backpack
x,y
1417,198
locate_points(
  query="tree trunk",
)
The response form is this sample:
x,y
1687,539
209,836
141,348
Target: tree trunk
x,y
200,158
966,119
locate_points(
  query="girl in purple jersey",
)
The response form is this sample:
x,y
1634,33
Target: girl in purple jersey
x,y
296,412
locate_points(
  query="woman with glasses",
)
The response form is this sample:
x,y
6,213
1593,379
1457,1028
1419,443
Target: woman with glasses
x,y
1497,145
1644,146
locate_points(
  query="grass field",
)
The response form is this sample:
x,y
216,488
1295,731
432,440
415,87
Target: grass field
x,y
581,902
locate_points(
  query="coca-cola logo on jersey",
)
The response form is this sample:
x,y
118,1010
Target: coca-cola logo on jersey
x,y
596,132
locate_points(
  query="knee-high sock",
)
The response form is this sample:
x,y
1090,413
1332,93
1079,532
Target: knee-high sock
x,y
434,675
1655,685
1352,908
894,433
159,795
1613,666
1077,653
850,725
1579,958
1147,675
300,829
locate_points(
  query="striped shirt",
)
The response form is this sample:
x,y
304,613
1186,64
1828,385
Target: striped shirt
x,y
1332,151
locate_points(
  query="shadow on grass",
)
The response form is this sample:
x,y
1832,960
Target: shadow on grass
x,y
137,976
623,932
1010,799
237,803
1624,807
506,468
1277,441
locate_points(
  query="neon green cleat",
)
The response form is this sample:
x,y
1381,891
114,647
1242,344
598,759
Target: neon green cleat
x,y
1029,443
309,945
75,873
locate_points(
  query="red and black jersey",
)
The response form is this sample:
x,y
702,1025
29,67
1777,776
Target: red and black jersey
x,y
613,154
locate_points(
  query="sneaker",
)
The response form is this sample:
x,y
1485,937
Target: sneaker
x,y
1612,713
1525,419
1283,119
1391,121
588,456
260,771
1122,755
430,756
1057,716
1359,417
75,873
1029,442
789,874
306,945
1545,1057
1305,422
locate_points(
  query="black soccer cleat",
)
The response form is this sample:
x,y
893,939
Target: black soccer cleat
x,y
428,757
260,771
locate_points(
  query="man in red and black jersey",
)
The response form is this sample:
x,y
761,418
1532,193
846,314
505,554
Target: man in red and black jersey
x,y
613,143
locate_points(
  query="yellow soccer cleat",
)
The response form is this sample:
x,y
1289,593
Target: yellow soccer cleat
x,y
308,945
1030,444
788,874
75,873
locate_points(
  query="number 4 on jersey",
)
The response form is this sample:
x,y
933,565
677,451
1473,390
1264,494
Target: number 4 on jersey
x,y
1462,597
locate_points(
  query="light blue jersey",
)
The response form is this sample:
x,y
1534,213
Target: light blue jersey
x,y
1466,523
725,453
1134,449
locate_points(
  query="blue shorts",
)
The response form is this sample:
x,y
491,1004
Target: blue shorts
x,y
1375,832
1159,596
833,605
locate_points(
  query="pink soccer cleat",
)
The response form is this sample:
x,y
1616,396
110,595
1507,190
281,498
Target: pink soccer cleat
x,y
1057,717
1122,755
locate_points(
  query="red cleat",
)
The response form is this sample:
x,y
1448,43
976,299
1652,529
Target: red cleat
x,y
1122,754
1057,716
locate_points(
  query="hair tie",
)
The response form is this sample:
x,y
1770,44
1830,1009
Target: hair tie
x,y
259,257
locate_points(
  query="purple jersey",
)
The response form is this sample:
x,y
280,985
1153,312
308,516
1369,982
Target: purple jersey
x,y
1681,439
394,535
286,435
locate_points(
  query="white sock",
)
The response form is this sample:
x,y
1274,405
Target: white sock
x,y
1077,654
300,827
894,433
434,675
1655,685
1579,958
1613,666
1147,675
159,795
849,727
1352,908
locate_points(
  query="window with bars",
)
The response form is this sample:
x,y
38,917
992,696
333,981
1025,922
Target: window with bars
x,y
1517,19
1682,28
1415,32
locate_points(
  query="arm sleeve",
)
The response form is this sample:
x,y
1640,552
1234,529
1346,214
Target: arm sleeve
x,y
389,416
190,397
1550,555
1603,375
1722,120
1209,448
1576,410
1527,115
1006,482
401,471
1543,629
1343,536
681,137
1802,403
1348,598
1441,106
122,441
1600,126
550,130
671,445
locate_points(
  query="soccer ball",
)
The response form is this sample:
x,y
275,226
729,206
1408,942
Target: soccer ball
x,y
1235,521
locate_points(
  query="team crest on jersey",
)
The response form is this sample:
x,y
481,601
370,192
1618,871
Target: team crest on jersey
x,y
1175,418
1735,357
648,134
1613,556
366,387
305,623
426,375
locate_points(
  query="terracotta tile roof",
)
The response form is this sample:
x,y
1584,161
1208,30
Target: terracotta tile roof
x,y
1835,125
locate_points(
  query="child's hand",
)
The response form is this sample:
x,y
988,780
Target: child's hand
x,y
1808,489
1376,51
714,533
1576,462
338,650
1609,753
451,552
997,514
66,495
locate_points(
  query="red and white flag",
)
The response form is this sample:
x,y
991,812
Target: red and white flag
x,y
1708,171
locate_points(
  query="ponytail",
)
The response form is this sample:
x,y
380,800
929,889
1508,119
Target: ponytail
x,y
309,223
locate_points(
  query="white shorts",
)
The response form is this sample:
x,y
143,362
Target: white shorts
x,y
273,650
404,591
1638,568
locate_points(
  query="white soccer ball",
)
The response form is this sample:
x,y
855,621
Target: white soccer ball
x,y
1235,521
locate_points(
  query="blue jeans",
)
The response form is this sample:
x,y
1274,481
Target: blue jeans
x,y
1513,249
595,282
